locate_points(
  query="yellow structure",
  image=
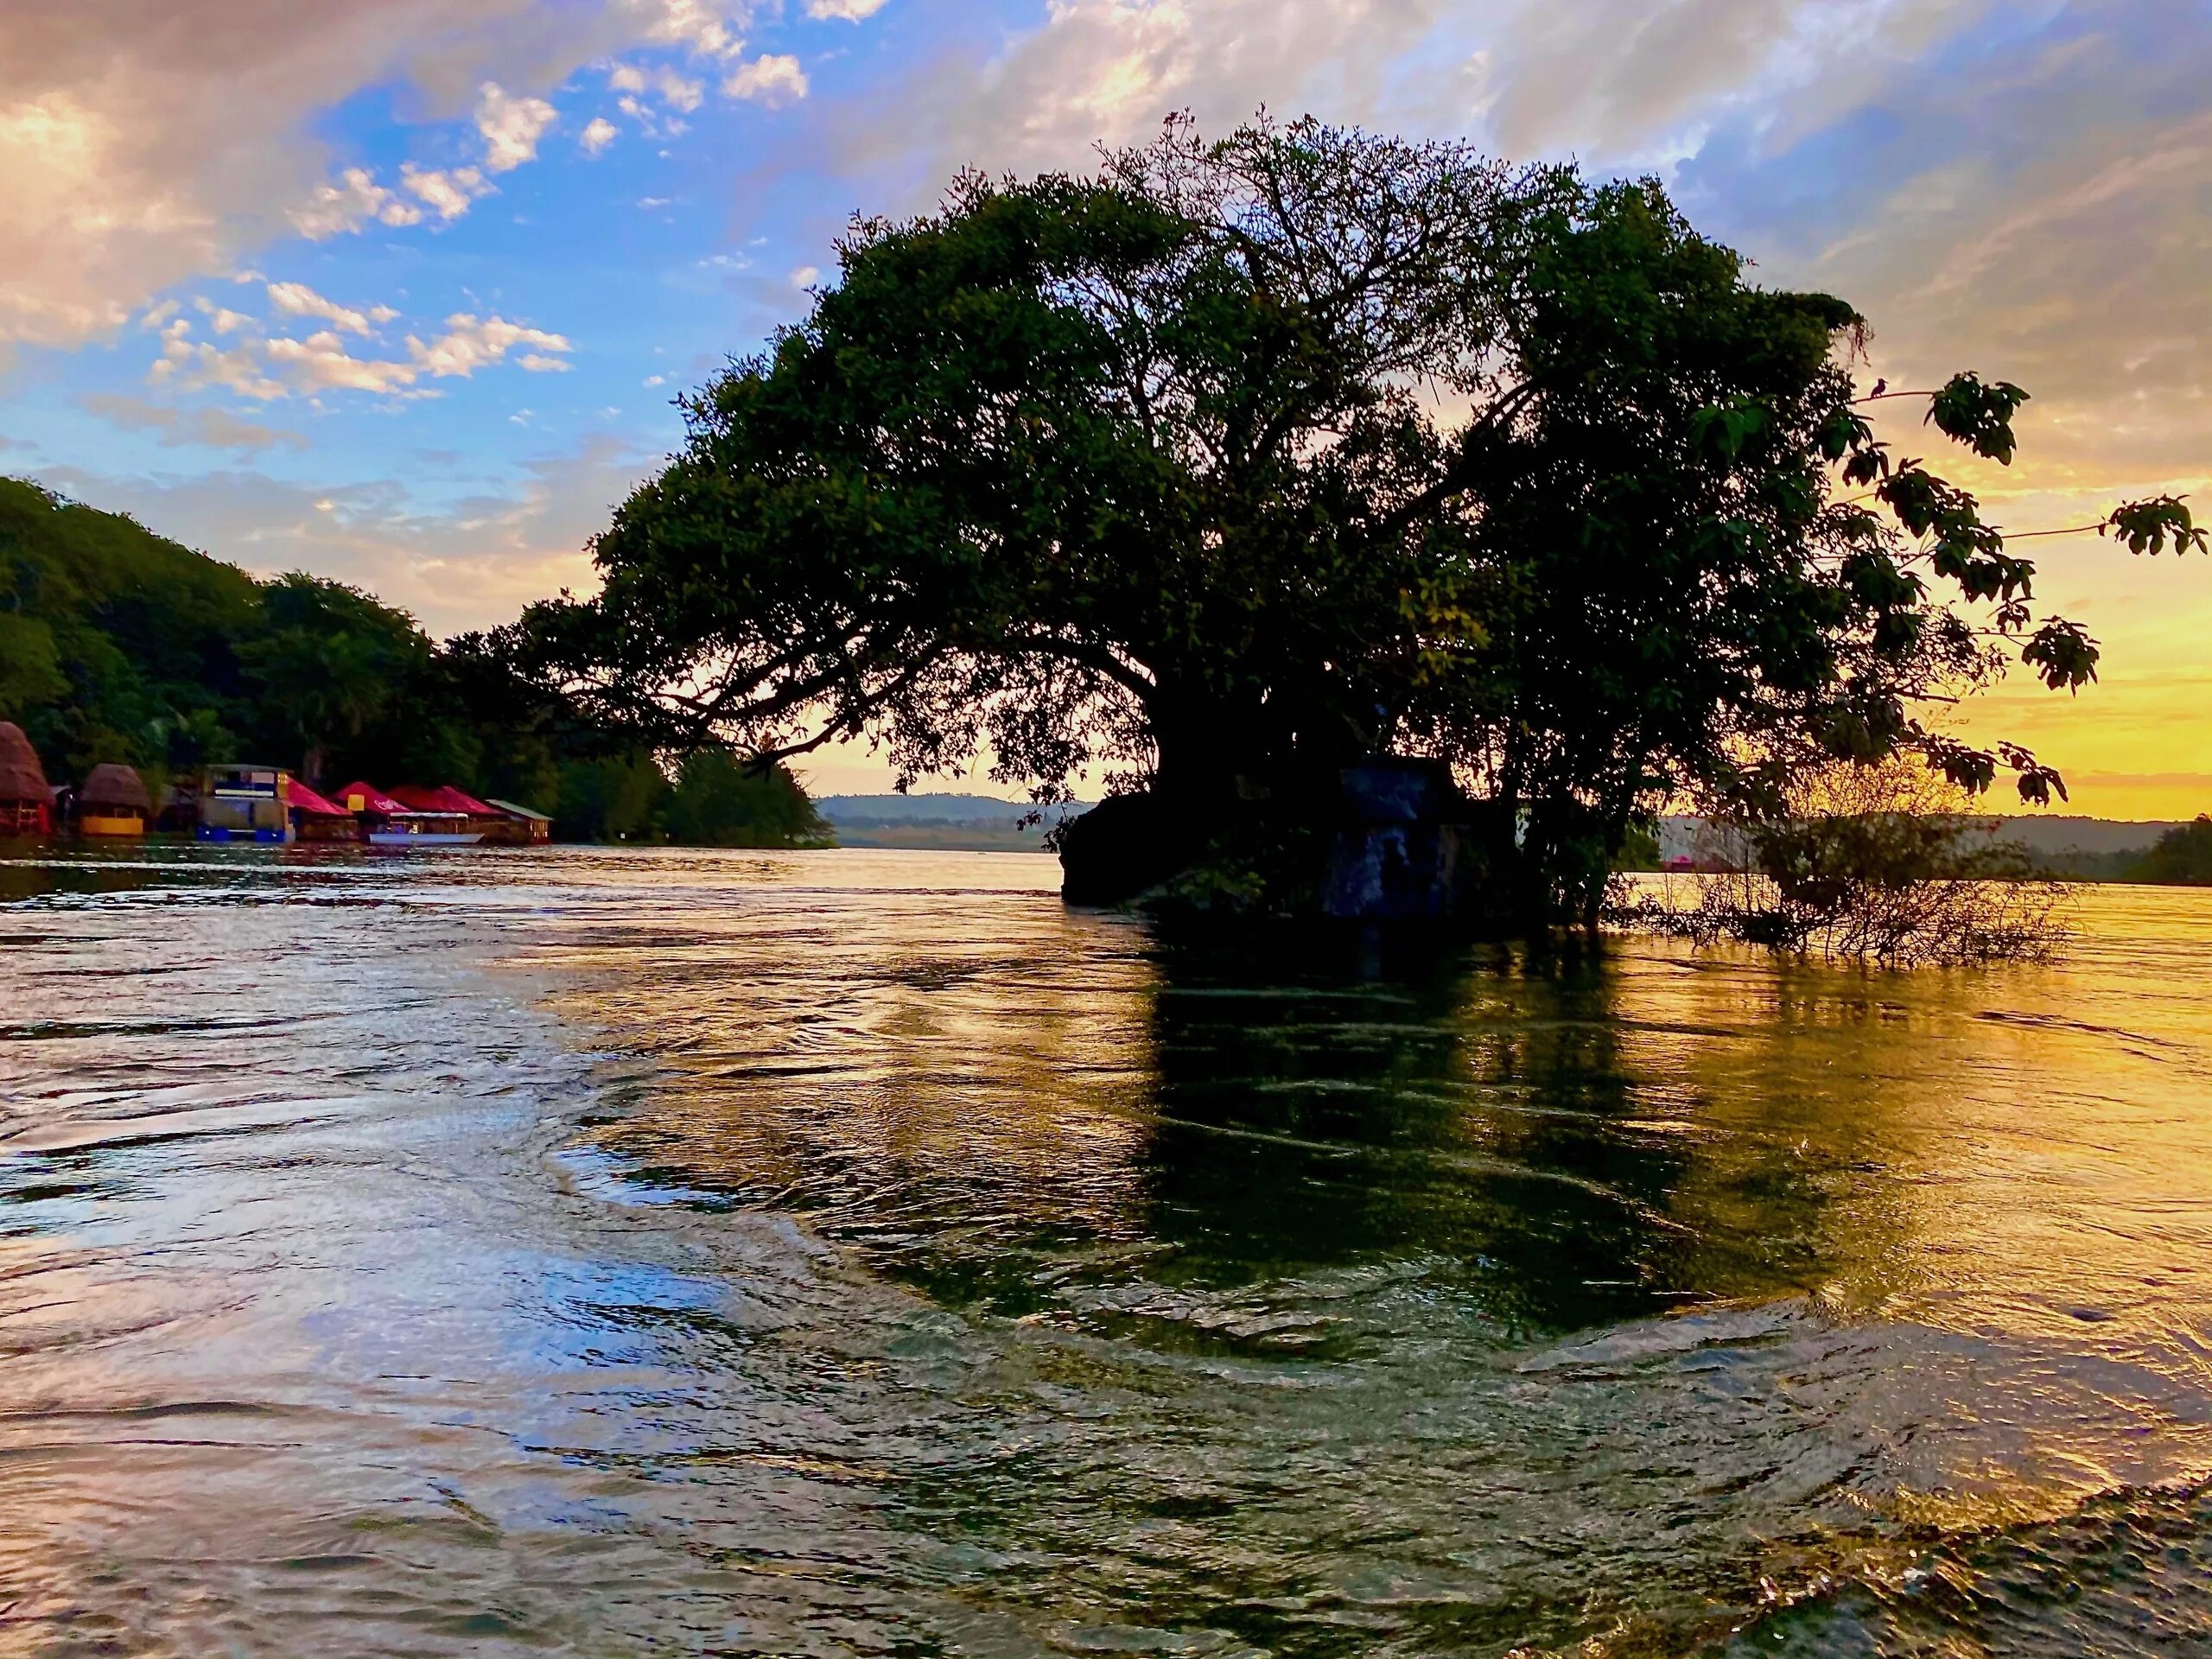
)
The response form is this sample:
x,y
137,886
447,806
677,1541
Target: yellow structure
x,y
113,802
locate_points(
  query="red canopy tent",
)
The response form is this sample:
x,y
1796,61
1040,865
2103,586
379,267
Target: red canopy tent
x,y
367,797
314,804
320,819
399,819
444,798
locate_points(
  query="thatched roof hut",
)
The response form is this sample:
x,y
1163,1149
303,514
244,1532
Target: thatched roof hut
x,y
21,778
115,789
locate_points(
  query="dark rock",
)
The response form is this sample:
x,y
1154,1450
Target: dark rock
x,y
1125,846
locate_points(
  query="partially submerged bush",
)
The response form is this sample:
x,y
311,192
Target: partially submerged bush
x,y
1877,864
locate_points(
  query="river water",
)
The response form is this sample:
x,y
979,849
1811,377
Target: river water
x,y
649,1252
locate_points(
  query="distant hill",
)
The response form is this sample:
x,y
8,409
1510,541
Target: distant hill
x,y
946,823
2100,848
986,824
2072,834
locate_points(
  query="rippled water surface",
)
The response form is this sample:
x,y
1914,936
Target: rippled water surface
x,y
612,1253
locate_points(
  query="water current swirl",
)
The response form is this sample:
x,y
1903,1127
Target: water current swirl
x,y
645,1252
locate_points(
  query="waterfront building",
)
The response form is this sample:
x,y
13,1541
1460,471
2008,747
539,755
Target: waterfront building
x,y
113,802
520,826
242,802
26,802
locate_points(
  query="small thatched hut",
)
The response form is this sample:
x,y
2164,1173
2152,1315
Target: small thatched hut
x,y
26,802
113,802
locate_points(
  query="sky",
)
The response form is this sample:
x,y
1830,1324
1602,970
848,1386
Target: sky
x,y
400,291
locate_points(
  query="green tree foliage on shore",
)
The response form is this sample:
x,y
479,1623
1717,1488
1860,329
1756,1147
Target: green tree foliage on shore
x,y
1235,462
117,644
2182,857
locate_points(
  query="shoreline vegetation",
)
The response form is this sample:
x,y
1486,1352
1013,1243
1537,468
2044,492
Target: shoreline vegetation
x,y
119,645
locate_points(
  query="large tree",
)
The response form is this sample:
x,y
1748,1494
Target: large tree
x,y
1236,461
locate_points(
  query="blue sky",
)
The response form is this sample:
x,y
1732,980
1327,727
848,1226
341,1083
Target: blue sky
x,y
400,292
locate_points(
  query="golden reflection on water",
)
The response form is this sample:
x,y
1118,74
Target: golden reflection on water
x,y
1584,1135
625,1252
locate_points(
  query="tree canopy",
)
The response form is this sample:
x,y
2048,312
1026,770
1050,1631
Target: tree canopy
x,y
1235,461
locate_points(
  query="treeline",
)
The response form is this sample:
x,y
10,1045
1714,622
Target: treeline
x,y
117,644
2182,857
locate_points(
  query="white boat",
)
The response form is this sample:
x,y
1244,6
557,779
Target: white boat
x,y
424,838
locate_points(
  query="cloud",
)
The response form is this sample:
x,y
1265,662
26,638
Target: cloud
x,y
678,92
771,80
207,428
468,345
269,369
221,318
355,200
850,11
598,135
456,564
148,142
705,29
449,192
321,363
298,300
511,126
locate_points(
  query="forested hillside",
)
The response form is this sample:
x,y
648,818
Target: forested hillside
x,y
118,643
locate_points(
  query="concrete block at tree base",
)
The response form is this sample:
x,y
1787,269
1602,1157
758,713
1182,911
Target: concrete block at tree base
x,y
1390,839
1399,872
1405,851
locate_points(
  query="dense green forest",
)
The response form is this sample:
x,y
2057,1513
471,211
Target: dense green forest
x,y
2182,857
117,644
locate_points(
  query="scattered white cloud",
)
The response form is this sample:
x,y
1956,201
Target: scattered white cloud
x,y
678,90
267,370
298,300
511,126
656,380
850,11
158,315
221,318
206,429
468,345
805,277
197,363
448,192
705,29
771,81
598,135
351,201
321,363
650,202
